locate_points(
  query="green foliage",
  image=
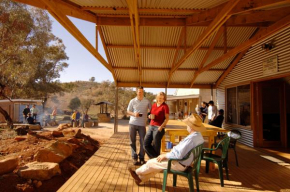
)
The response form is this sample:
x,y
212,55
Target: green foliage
x,y
74,104
86,104
31,57
92,79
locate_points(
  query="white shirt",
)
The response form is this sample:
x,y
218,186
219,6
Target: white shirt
x,y
184,146
212,112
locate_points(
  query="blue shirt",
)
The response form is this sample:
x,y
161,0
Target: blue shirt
x,y
137,106
184,146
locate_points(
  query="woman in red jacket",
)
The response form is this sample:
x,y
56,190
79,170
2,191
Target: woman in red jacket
x,y
159,116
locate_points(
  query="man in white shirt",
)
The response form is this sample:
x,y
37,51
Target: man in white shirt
x,y
153,166
34,111
212,111
138,109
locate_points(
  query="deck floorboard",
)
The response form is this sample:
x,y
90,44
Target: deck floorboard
x,y
107,170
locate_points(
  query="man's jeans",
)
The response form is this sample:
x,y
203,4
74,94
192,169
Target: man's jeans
x,y
152,142
133,129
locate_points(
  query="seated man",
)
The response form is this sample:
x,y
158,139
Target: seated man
x,y
153,166
31,120
218,121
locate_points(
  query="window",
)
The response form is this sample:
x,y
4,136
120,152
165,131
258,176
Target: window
x,y
238,105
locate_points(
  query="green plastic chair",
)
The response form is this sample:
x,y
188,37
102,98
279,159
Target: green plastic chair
x,y
195,166
217,159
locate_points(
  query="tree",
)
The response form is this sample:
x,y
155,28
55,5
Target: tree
x,y
86,104
74,104
31,57
92,79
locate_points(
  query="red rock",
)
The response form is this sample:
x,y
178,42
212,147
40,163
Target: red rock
x,y
57,133
20,138
8,165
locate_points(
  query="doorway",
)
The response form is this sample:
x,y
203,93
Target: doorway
x,y
274,109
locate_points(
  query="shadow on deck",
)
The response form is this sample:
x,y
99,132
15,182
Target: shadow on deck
x,y
107,170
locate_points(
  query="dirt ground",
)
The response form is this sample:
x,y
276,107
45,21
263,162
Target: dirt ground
x,y
25,151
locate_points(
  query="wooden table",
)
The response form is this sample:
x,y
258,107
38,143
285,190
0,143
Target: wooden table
x,y
178,128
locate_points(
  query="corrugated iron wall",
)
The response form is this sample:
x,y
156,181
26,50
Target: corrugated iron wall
x,y
250,68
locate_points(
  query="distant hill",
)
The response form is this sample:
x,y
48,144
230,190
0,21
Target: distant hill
x,y
103,91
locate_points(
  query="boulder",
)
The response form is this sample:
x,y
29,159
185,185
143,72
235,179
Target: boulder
x,y
20,138
35,127
63,126
8,165
73,140
69,133
21,130
78,134
57,133
55,152
39,170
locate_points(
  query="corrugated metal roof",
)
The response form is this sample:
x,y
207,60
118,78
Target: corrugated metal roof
x,y
122,57
106,3
165,36
128,75
236,35
182,77
157,58
160,36
154,4
150,76
119,35
208,77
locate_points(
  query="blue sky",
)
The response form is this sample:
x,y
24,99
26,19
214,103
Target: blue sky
x,y
82,64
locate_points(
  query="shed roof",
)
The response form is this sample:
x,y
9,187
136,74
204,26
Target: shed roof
x,y
104,102
169,43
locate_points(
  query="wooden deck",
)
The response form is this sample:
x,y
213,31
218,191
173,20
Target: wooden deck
x,y
107,170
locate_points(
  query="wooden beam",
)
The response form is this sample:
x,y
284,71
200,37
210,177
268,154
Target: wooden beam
x,y
62,19
262,34
213,43
120,21
242,7
162,85
97,38
162,47
162,69
256,17
134,21
121,9
66,9
225,39
215,25
230,67
182,35
99,29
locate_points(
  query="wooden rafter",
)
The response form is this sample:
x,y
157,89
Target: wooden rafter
x,y
181,37
66,9
262,34
162,69
245,6
135,24
239,21
99,29
162,85
213,43
62,19
117,9
230,67
225,39
233,63
215,25
162,47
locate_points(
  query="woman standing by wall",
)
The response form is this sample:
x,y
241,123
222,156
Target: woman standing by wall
x,y
159,116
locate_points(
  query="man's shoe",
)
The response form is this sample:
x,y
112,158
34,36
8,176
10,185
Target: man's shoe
x,y
142,161
135,162
135,176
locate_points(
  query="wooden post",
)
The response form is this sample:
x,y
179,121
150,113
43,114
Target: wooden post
x,y
116,111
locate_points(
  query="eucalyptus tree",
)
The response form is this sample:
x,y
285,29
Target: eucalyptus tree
x,y
31,57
